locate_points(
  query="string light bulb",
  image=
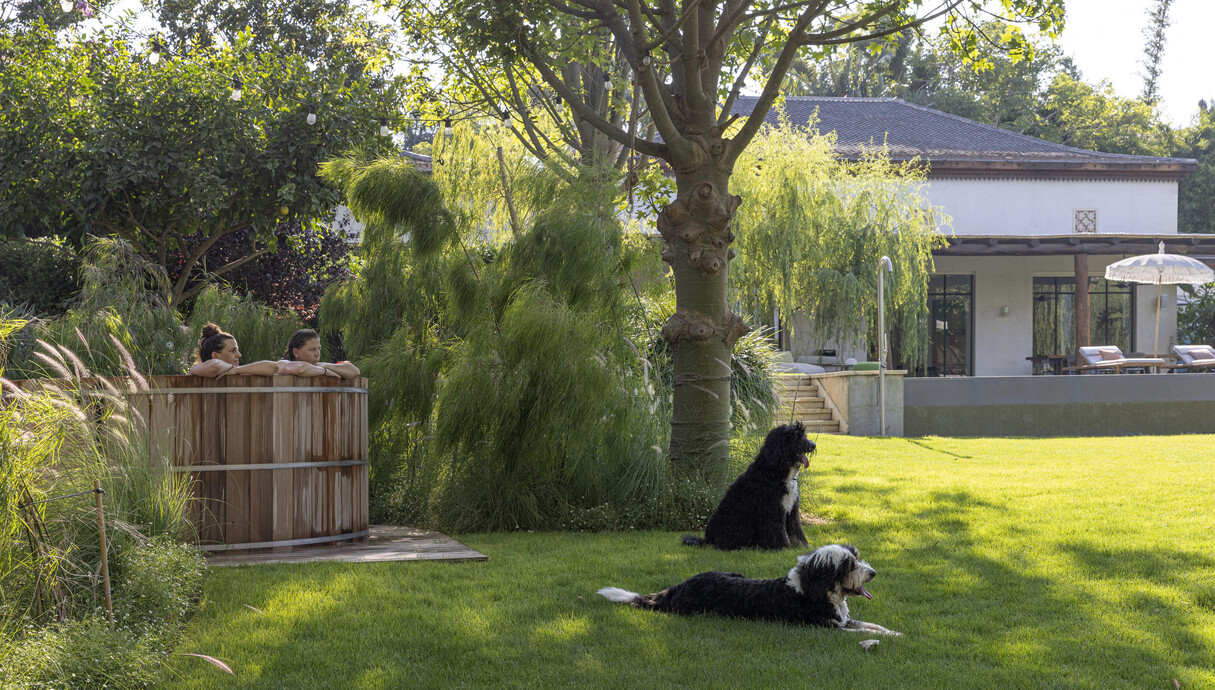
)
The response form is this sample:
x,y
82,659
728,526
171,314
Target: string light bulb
x,y
154,56
312,115
447,126
384,131
237,85
607,81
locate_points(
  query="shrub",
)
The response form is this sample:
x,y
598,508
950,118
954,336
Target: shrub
x,y
82,653
1196,321
157,582
121,312
41,275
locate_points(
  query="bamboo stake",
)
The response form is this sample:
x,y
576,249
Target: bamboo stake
x,y
105,561
510,202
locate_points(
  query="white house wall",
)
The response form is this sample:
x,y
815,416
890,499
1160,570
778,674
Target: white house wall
x,y
1046,207
1002,342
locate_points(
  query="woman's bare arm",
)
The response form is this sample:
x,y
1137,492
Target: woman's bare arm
x,y
345,370
211,369
262,368
301,369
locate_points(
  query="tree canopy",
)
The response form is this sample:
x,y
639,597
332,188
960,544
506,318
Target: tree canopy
x,y
100,141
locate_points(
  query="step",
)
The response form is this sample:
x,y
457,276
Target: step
x,y
787,400
821,427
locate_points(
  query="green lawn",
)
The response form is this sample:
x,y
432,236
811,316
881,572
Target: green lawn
x,y
1027,563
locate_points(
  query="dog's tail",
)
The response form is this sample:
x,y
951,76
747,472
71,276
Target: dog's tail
x,y
693,540
620,596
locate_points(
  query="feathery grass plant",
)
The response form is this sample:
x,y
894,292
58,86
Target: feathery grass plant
x,y
56,437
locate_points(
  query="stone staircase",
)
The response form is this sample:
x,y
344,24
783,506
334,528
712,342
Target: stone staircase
x,y
801,400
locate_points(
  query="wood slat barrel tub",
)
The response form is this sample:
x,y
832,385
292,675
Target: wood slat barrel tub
x,y
277,461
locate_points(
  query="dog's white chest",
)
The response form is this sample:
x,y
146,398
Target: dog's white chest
x,y
789,500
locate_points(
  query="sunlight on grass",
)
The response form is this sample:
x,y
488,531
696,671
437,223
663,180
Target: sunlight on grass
x,y
1010,563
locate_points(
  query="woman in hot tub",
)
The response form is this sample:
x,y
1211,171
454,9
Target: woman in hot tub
x,y
303,358
219,355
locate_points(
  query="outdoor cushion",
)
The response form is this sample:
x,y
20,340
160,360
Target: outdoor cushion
x,y
798,368
1202,355
1109,354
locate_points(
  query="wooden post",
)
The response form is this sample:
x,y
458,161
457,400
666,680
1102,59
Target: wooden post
x,y
1081,306
105,561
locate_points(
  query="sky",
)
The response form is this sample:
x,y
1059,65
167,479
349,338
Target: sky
x,y
1105,38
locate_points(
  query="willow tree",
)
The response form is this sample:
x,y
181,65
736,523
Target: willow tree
x,y
813,228
687,62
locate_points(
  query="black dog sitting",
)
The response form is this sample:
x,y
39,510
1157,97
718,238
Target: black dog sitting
x,y
815,592
760,507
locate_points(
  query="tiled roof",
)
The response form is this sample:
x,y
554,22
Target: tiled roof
x,y
910,131
420,161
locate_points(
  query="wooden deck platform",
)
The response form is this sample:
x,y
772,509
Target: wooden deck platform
x,y
386,543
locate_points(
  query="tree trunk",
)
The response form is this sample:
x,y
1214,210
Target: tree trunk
x,y
703,330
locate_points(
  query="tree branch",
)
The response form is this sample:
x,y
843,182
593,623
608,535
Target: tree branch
x,y
192,260
666,36
200,285
760,41
772,87
571,98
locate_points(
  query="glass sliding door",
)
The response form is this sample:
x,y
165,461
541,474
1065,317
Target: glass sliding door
x,y
951,315
1111,315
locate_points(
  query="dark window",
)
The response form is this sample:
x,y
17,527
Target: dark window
x,y
1111,315
951,322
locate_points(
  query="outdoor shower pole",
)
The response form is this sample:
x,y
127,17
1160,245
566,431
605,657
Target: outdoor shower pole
x,y
882,344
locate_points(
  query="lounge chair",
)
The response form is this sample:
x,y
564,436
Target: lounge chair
x,y
1194,358
1100,358
784,364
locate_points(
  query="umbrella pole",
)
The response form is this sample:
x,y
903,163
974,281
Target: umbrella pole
x,y
1156,339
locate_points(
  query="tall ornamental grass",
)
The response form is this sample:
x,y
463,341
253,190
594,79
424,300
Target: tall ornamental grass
x,y
56,437
121,314
515,381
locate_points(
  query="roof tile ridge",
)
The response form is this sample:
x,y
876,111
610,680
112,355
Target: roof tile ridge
x,y
1052,144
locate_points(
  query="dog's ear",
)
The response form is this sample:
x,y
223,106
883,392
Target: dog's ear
x,y
843,572
819,572
817,576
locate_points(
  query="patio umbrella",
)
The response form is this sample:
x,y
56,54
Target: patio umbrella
x,y
1161,269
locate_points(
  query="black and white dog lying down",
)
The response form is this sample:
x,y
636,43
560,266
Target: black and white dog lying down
x,y
760,509
815,592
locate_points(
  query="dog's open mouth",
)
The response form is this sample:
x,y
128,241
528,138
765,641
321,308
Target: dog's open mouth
x,y
860,591
805,460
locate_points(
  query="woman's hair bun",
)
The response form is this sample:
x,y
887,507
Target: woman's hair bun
x,y
209,330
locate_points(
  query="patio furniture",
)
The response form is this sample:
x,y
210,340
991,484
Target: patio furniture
x,y
1194,358
785,365
1044,364
1101,358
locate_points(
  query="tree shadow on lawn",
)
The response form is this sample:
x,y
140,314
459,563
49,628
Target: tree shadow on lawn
x,y
978,609
975,590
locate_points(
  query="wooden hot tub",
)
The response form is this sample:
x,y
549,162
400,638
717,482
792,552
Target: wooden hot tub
x,y
277,461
